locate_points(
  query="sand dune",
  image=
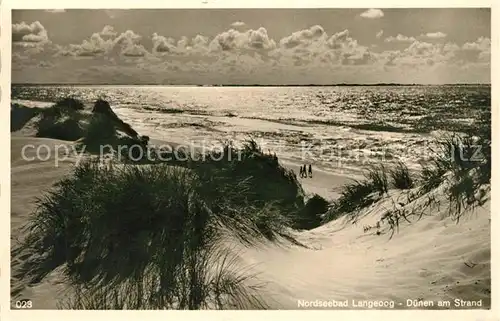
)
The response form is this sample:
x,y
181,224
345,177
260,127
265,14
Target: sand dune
x,y
29,179
430,259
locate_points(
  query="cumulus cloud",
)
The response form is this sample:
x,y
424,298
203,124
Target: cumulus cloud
x,y
106,42
313,47
29,33
420,48
435,35
238,24
93,46
232,40
399,38
134,50
372,14
237,56
479,50
360,57
424,53
200,43
390,56
304,38
421,53
108,31
481,44
128,37
163,44
197,45
341,40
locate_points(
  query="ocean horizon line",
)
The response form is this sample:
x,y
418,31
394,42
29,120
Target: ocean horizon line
x,y
252,85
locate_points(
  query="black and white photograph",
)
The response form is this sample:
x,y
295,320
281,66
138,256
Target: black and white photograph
x,y
250,158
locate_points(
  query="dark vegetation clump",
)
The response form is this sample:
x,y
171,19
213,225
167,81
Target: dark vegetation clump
x,y
20,115
311,214
99,129
267,183
482,132
106,132
70,104
432,174
354,196
102,107
141,237
358,194
56,122
62,128
61,121
462,161
469,163
377,175
153,236
401,177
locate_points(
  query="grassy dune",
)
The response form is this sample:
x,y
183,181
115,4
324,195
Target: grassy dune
x,y
155,236
164,225
70,120
462,164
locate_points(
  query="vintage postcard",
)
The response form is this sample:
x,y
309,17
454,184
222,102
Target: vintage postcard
x,y
250,158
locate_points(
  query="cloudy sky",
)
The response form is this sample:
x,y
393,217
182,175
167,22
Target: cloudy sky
x,y
251,46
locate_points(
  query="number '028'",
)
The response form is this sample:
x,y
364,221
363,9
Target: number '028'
x,y
24,304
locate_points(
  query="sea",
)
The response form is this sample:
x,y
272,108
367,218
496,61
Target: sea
x,y
341,129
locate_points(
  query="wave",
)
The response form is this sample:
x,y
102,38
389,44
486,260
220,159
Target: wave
x,y
369,126
164,110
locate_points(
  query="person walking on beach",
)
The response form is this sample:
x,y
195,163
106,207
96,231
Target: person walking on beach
x,y
310,171
302,171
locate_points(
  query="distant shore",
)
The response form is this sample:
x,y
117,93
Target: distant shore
x,y
250,85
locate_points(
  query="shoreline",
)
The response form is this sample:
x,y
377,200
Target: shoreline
x,y
339,148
